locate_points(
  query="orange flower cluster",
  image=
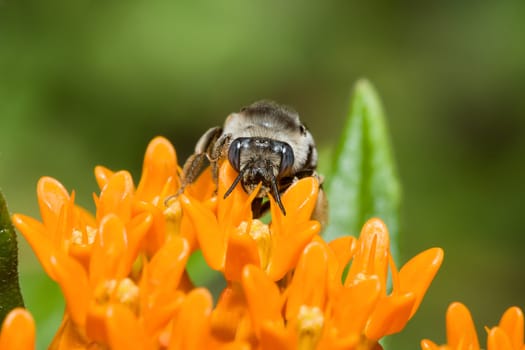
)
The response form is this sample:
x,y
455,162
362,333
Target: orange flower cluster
x,y
461,332
123,270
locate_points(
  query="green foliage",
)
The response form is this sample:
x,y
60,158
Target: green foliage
x,y
363,182
10,296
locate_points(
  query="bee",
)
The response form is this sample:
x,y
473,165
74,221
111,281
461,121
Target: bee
x,y
265,143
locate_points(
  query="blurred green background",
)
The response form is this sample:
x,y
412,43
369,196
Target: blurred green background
x,y
84,83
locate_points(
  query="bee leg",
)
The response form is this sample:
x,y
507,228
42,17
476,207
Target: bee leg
x,y
216,153
195,164
192,169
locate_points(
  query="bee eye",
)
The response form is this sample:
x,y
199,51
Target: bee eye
x,y
287,159
234,154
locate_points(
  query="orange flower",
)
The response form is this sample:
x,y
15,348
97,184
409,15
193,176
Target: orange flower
x,y
461,332
160,178
100,278
317,310
18,331
112,249
229,238
509,333
365,286
123,271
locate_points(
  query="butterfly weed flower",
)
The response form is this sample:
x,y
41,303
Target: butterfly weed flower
x,y
461,332
318,310
231,239
18,331
122,269
92,257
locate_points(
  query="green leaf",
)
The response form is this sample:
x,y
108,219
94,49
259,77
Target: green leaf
x,y
363,183
10,296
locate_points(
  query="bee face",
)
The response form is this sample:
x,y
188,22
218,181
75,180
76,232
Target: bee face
x,y
260,160
265,143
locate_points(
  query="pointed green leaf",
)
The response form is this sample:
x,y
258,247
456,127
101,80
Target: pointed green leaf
x,y
10,296
363,182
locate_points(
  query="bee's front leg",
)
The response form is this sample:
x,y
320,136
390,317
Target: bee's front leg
x,y
217,153
195,164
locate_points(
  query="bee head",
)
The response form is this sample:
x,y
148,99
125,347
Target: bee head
x,y
260,160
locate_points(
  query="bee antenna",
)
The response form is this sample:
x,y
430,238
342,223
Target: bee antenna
x,y
235,182
276,195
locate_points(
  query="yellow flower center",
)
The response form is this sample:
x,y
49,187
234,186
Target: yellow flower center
x,y
124,292
260,232
310,321
80,237
173,214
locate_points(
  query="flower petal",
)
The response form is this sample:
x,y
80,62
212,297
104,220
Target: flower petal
x,y
287,247
229,313
299,201
159,285
102,174
343,248
124,331
136,231
204,187
109,250
354,304
192,327
168,265
212,240
277,337
334,341
116,197
18,331
157,231
417,274
293,231
390,315
512,324
373,249
460,327
36,235
308,286
497,339
429,345
159,171
340,252
237,206
262,296
162,275
73,282
52,197
68,336
241,251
